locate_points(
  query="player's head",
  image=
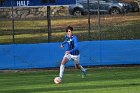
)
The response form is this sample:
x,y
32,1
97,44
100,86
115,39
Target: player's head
x,y
69,30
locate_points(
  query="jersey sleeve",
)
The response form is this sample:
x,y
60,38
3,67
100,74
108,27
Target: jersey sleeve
x,y
65,40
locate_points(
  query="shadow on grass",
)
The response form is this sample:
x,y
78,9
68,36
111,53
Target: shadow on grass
x,y
43,78
68,88
107,75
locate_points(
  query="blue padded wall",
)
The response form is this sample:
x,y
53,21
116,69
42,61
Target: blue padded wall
x,y
46,55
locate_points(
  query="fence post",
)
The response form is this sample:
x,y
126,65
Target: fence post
x,y
89,37
99,28
13,23
49,22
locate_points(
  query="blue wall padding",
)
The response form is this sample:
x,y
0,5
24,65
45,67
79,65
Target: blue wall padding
x,y
46,55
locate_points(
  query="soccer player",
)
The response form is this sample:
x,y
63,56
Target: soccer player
x,y
72,53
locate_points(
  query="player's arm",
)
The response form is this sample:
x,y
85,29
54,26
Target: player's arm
x,y
62,44
75,44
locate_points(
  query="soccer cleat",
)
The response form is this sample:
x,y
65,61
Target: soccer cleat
x,y
84,73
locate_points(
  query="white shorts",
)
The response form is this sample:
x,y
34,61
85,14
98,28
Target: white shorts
x,y
75,58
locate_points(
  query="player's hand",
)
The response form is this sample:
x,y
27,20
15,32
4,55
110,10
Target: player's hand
x,y
67,52
62,46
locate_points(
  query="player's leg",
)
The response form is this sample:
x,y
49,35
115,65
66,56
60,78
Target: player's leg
x,y
82,69
76,60
65,59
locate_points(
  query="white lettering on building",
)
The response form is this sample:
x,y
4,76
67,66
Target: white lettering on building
x,y
23,3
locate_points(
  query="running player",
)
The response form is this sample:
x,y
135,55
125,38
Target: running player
x,y
71,53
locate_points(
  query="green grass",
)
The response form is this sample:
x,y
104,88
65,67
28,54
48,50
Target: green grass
x,y
98,80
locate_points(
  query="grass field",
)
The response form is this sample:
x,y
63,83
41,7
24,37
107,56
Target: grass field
x,y
98,80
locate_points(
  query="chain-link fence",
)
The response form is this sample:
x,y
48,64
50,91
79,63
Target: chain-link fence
x,y
30,25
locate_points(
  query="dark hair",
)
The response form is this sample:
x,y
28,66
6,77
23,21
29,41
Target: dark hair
x,y
69,28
